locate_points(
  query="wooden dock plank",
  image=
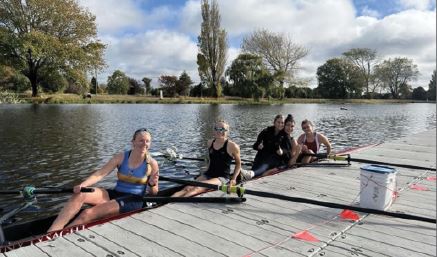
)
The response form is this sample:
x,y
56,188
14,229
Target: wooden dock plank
x,y
62,247
408,147
94,249
172,241
362,247
107,243
242,233
405,241
381,223
29,251
203,232
140,245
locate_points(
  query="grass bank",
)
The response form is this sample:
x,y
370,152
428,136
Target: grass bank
x,y
130,99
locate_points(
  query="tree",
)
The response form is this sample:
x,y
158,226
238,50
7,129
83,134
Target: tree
x,y
93,86
363,58
249,76
199,90
168,85
135,87
280,54
147,85
52,81
118,83
419,93
338,78
394,73
213,47
431,87
6,75
183,84
52,34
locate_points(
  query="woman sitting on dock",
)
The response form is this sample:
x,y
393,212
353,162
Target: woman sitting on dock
x,y
221,153
136,170
310,142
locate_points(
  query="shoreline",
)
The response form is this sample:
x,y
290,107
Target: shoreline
x,y
138,99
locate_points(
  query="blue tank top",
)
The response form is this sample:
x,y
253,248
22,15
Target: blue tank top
x,y
132,181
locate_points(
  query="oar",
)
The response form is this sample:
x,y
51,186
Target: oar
x,y
349,159
32,190
11,213
163,199
322,164
240,191
243,161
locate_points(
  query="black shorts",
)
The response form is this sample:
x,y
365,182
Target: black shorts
x,y
127,202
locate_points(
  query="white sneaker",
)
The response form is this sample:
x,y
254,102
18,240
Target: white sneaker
x,y
246,174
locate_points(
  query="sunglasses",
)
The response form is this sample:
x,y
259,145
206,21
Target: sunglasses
x,y
305,127
220,129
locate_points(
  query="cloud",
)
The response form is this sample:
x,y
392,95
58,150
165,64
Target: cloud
x,y
366,11
416,4
162,39
113,16
152,54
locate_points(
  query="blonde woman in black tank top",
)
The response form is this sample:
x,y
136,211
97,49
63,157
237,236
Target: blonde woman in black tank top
x,y
221,153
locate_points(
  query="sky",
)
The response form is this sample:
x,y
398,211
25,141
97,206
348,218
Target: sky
x,y
150,38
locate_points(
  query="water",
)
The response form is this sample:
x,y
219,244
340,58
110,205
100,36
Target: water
x,y
60,145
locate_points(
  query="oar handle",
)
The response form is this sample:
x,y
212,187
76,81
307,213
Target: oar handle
x,y
61,190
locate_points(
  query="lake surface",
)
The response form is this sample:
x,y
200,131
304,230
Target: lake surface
x,y
60,145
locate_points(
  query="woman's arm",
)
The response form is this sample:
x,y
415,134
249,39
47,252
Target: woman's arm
x,y
235,152
325,141
303,148
101,173
295,151
153,182
259,141
286,147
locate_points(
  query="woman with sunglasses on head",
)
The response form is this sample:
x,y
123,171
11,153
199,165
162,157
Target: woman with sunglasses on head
x,y
269,153
221,153
136,170
310,142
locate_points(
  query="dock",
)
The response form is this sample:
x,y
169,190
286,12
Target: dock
x,y
272,227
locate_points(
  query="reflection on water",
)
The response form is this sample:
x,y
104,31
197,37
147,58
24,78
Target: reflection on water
x,y
59,145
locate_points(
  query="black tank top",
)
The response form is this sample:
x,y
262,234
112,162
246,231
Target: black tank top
x,y
219,162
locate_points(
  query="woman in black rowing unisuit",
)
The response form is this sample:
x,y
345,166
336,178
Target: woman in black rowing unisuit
x,y
221,153
268,145
136,170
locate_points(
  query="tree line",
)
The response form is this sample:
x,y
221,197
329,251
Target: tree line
x,y
52,46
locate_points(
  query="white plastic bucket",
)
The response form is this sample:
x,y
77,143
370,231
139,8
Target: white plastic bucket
x,y
378,186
